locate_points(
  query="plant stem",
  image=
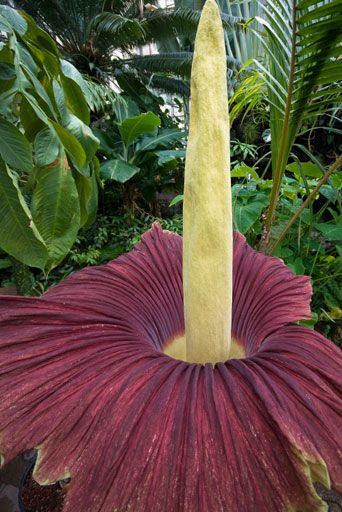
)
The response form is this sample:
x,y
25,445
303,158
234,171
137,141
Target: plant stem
x,y
284,143
334,167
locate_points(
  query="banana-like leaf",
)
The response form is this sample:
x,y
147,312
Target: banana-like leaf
x,y
19,235
133,127
46,147
71,72
72,146
85,136
14,147
55,209
88,197
75,100
9,19
118,170
167,156
162,140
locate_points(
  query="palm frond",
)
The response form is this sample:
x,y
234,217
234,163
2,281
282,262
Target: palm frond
x,y
168,84
65,20
165,23
127,8
121,30
302,43
100,97
178,63
241,43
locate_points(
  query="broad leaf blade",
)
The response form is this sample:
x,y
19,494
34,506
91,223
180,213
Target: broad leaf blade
x,y
133,127
56,210
15,149
19,236
71,145
84,135
46,147
166,156
88,196
12,19
75,100
164,139
118,170
245,215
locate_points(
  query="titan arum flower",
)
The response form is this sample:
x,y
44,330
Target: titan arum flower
x,y
152,405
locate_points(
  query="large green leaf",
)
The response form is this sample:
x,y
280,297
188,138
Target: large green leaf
x,y
245,215
124,108
46,147
42,46
163,139
72,146
108,143
165,156
71,72
304,168
56,210
14,147
118,170
75,100
59,97
19,236
88,196
133,127
332,232
84,135
11,19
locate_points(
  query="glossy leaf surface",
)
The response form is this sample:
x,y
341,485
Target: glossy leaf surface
x,y
55,209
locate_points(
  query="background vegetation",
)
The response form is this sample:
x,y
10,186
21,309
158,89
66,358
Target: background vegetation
x,y
93,133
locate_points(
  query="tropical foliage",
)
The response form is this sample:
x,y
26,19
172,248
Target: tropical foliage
x,y
138,154
301,73
100,38
48,188
244,415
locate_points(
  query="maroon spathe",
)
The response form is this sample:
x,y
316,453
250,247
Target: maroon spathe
x,y
84,378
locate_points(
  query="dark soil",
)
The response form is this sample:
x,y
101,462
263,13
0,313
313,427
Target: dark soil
x,y
333,498
37,498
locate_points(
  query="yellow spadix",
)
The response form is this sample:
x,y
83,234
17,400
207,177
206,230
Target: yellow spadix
x,y
207,240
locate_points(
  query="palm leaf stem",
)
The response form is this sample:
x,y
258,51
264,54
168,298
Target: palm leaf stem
x,y
284,142
333,167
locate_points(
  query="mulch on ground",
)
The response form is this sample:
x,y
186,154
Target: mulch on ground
x,y
37,498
